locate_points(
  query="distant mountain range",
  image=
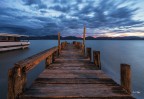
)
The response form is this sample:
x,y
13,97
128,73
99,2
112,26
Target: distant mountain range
x,y
55,37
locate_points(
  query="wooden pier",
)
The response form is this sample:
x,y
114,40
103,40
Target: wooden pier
x,y
69,74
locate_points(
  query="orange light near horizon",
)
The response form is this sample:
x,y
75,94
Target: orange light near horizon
x,y
121,34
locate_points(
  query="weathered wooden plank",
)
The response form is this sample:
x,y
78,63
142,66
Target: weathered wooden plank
x,y
76,90
46,80
76,97
73,74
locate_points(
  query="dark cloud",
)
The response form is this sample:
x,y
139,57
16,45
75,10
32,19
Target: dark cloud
x,y
61,1
39,3
64,15
107,14
14,29
61,8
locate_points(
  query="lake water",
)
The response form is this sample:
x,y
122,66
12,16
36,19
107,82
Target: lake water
x,y
113,53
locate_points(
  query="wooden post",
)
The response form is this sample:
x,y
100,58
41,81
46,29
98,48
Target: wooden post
x,y
53,57
96,59
57,53
83,49
11,94
74,42
83,45
16,82
126,77
84,33
89,53
59,46
65,43
79,45
47,61
58,38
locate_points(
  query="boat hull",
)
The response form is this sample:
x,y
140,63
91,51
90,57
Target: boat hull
x,y
7,46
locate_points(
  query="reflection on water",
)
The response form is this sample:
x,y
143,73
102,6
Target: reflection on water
x,y
113,53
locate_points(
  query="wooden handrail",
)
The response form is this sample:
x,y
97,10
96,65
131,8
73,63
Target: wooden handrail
x,y
17,76
30,62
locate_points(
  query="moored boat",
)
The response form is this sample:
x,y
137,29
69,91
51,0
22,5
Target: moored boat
x,y
13,41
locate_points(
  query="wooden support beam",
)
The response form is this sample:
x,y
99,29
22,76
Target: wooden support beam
x,y
79,45
59,38
74,42
66,43
83,49
47,61
126,77
63,45
83,45
59,45
11,94
16,82
54,56
84,33
96,59
88,52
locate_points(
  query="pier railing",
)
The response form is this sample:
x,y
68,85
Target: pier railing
x,y
17,76
125,70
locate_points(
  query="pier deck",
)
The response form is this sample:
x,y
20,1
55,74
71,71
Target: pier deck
x,y
72,75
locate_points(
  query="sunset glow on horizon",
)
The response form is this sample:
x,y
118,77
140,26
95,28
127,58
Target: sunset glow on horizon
x,y
103,18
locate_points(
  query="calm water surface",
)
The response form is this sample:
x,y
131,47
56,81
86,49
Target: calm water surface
x,y
113,53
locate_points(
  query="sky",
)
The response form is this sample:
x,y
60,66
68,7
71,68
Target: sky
x,y
102,18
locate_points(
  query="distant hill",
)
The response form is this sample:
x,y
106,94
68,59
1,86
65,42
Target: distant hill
x,y
55,37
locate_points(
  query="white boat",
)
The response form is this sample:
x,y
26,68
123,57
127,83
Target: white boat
x,y
12,42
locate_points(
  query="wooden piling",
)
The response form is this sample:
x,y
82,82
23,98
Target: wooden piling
x,y
96,59
83,45
47,61
84,33
88,52
11,94
79,45
126,77
83,49
53,56
74,42
63,45
59,45
16,82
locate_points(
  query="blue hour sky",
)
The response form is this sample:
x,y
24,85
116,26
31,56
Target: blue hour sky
x,y
110,18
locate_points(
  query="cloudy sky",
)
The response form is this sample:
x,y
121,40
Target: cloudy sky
x,y
48,17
